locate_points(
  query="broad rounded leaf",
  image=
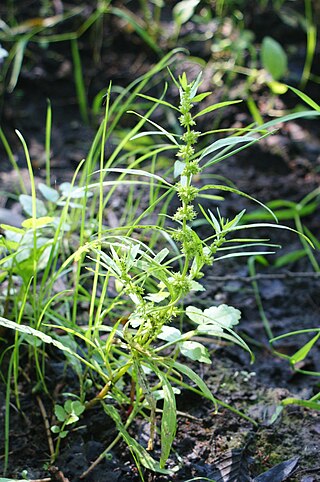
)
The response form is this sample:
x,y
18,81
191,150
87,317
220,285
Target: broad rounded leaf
x,y
77,407
158,297
183,11
222,316
60,413
273,58
26,203
54,429
226,316
72,419
48,193
195,351
169,333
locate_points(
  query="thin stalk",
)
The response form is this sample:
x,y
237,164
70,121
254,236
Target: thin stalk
x,y
217,400
306,245
34,217
100,221
255,286
311,43
79,81
7,418
48,142
12,161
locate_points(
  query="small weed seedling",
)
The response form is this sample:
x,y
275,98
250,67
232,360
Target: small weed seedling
x,y
67,415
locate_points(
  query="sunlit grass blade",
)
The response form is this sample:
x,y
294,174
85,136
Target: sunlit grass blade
x,y
305,98
125,15
79,81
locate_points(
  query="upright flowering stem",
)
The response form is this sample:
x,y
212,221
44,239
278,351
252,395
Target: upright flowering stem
x,y
186,192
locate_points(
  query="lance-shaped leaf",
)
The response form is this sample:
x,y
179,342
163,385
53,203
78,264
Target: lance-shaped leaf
x,y
229,141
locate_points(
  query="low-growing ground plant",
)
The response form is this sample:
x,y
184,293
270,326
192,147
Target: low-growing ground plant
x,y
130,345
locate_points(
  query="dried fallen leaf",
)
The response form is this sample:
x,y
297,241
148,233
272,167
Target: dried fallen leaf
x,y
279,472
231,467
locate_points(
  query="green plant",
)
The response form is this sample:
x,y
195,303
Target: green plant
x,y
17,37
127,342
265,69
289,210
149,26
67,415
268,67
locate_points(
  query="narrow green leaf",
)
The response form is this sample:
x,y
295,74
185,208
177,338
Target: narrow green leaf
x,y
170,136
295,115
215,107
196,379
17,63
200,97
138,172
219,187
7,227
229,141
268,225
142,32
140,453
305,98
195,85
289,258
159,257
303,352
169,419
158,101
301,403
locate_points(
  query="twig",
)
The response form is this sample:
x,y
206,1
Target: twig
x,y
57,475
101,457
261,276
47,426
46,479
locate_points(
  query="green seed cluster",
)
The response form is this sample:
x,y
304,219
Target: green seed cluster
x,y
185,191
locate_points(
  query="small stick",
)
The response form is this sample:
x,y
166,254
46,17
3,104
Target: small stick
x,y
46,479
57,475
100,458
262,276
47,426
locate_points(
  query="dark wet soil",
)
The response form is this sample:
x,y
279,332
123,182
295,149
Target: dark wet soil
x,y
285,166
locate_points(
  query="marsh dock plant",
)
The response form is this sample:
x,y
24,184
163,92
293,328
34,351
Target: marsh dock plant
x,y
152,286
131,350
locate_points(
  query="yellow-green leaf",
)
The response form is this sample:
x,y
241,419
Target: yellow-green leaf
x,y
34,223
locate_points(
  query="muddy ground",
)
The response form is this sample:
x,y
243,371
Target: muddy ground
x,y
284,166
